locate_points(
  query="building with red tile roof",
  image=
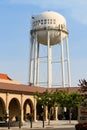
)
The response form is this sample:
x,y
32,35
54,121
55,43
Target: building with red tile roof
x,y
4,78
17,99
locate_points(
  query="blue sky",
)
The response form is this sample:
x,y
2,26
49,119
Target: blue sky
x,y
14,35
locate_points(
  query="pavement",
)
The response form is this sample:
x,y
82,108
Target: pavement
x,y
54,125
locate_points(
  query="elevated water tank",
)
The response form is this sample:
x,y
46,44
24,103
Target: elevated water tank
x,y
49,21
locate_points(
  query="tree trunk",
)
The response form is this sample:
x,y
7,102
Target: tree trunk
x,y
70,116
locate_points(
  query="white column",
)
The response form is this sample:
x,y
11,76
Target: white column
x,y
62,62
7,109
35,59
49,61
35,114
30,65
37,73
22,108
68,62
46,113
55,113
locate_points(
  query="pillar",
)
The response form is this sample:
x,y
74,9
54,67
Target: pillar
x,y
35,114
7,105
55,113
31,62
62,62
35,60
22,108
68,62
49,61
46,112
37,72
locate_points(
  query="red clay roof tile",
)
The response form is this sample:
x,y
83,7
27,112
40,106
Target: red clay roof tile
x,y
4,76
20,88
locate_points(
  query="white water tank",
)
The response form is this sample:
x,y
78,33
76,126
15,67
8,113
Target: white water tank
x,y
49,21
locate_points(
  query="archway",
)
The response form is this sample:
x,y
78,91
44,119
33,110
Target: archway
x,y
2,110
28,108
14,110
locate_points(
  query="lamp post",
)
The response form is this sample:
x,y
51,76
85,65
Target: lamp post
x,y
8,121
43,116
19,123
31,116
49,111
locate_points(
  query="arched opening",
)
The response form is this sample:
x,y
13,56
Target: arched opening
x,y
28,108
14,110
2,110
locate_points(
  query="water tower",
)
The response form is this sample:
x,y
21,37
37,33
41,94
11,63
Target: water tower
x,y
48,29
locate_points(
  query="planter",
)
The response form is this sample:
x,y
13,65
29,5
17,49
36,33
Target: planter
x,y
80,126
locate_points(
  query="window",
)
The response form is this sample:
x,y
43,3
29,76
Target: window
x,y
41,21
54,21
50,21
45,21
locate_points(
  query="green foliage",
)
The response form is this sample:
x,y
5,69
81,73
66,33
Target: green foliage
x,y
69,100
62,98
3,117
45,99
83,85
59,98
73,99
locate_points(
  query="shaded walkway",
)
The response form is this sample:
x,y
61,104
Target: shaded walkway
x,y
53,125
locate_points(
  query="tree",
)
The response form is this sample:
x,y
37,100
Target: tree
x,y
83,89
83,85
60,98
44,100
69,100
73,100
